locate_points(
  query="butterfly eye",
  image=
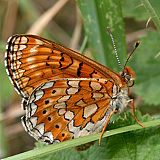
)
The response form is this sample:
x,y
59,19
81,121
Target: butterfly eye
x,y
131,83
128,75
130,80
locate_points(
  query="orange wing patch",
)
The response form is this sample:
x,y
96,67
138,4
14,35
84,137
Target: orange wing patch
x,y
32,60
66,95
68,108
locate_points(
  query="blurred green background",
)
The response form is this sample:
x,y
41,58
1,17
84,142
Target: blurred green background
x,y
129,22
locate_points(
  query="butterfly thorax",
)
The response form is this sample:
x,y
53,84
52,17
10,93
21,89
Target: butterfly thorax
x,y
119,101
120,97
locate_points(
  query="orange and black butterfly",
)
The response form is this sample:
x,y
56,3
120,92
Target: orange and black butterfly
x,y
65,94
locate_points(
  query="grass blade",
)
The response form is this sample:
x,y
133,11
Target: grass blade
x,y
97,15
37,153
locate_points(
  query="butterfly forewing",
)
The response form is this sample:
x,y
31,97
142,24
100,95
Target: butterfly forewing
x,y
31,60
68,108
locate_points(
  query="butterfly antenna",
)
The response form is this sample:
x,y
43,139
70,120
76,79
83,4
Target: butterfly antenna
x,y
136,45
110,33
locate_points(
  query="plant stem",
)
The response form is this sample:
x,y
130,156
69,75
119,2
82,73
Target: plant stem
x,y
84,45
37,153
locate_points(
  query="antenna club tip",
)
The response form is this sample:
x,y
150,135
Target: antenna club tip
x,y
137,44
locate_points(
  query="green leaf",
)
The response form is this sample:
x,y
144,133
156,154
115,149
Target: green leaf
x,y
125,139
97,15
135,9
146,64
129,140
150,109
130,145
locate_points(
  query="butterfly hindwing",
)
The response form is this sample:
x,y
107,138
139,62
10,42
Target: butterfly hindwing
x,y
62,109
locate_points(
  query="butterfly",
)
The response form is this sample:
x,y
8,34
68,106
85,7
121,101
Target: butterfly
x,y
65,94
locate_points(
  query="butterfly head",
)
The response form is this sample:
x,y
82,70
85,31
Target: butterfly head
x,y
128,75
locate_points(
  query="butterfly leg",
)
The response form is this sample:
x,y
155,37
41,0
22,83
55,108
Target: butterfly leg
x,y
106,126
131,100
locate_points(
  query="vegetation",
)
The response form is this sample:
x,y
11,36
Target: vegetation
x,y
129,21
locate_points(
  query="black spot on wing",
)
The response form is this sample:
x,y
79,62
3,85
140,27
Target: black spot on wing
x,y
91,74
79,69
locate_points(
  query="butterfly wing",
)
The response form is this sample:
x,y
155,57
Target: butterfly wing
x,y
31,60
64,109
